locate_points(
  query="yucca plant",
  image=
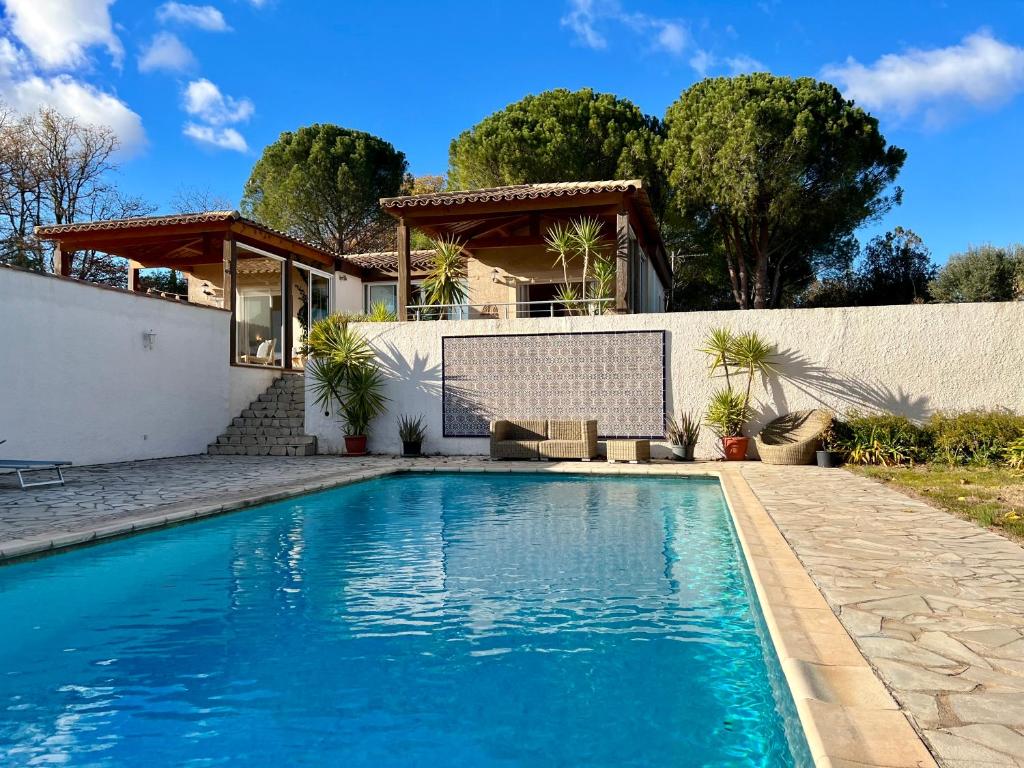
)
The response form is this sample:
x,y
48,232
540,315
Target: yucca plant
x,y
586,236
683,431
559,242
735,355
603,286
727,413
445,281
343,373
381,313
569,297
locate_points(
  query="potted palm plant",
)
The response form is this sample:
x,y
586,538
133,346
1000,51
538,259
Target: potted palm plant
x,y
682,435
344,373
740,358
412,431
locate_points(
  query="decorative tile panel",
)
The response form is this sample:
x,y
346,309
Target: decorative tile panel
x,y
617,378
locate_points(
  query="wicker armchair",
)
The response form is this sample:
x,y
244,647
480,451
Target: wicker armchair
x,y
793,438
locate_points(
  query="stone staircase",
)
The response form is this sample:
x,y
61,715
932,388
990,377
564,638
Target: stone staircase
x,y
272,425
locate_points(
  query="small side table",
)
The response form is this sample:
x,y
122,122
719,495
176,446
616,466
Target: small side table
x,y
633,451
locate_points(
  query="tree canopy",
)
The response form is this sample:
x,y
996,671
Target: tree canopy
x,y
984,273
323,183
777,173
894,268
559,135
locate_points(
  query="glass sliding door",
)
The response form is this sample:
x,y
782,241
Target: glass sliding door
x,y
311,301
259,319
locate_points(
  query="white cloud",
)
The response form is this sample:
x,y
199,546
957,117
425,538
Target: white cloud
x,y
166,53
59,33
202,16
25,91
581,20
742,63
222,138
203,100
980,70
702,61
213,113
586,17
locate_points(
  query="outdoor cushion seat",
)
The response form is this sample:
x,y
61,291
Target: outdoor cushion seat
x,y
554,439
793,438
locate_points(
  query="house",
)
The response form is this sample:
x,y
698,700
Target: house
x,y
264,276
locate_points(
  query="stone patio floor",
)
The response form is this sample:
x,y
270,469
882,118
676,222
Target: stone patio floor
x,y
935,604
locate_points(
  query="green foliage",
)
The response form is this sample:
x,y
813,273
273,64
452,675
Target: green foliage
x,y
411,429
323,183
380,313
343,372
984,273
560,135
1014,454
883,439
727,413
683,431
445,281
895,268
774,172
569,297
602,284
558,240
974,437
746,355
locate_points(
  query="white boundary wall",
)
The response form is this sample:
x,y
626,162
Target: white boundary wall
x,y
78,383
911,360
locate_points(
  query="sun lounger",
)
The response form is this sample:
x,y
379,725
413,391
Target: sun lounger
x,y
21,465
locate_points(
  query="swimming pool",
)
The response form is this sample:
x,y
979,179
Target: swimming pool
x,y
419,619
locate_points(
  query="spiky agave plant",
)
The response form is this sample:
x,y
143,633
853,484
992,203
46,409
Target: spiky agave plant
x,y
381,313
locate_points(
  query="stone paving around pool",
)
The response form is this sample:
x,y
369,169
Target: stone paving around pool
x,y
934,603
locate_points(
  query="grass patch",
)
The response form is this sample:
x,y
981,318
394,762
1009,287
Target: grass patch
x,y
990,496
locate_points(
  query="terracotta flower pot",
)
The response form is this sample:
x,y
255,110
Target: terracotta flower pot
x,y
355,445
735,448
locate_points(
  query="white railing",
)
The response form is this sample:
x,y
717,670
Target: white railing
x,y
547,308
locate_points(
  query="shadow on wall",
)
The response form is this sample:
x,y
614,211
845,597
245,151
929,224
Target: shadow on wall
x,y
417,371
840,391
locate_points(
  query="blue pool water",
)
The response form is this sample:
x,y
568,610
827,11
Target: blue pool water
x,y
417,620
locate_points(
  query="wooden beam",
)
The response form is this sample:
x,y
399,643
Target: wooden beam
x,y
134,281
623,254
61,260
404,270
289,276
230,281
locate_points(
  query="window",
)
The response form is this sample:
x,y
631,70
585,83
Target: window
x,y
385,293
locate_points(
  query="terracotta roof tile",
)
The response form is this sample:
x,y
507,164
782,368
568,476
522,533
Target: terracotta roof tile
x,y
387,261
54,231
515,192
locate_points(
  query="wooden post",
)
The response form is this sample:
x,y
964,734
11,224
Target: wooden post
x,y
404,270
286,353
61,261
134,283
623,253
230,280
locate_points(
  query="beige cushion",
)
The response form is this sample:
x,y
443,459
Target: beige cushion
x,y
525,429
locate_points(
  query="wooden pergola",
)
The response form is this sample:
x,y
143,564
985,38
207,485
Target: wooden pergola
x,y
517,216
184,242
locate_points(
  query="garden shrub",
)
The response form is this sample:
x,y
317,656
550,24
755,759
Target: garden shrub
x,y
974,437
1014,454
883,439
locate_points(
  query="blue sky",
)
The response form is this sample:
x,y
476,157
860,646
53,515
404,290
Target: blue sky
x,y
197,89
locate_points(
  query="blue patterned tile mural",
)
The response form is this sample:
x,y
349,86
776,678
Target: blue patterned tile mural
x,y
617,378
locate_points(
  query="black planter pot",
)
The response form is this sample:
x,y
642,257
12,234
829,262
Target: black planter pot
x,y
829,459
411,447
682,452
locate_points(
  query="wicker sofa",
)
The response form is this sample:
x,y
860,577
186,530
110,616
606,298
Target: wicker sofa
x,y
793,438
544,439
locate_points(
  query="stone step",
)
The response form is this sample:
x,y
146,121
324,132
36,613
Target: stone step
x,y
217,449
272,425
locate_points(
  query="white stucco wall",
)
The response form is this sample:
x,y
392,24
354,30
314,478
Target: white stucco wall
x,y
348,293
909,359
77,382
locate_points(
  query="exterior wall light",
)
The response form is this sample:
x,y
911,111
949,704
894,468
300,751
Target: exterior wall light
x,y
495,275
148,339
